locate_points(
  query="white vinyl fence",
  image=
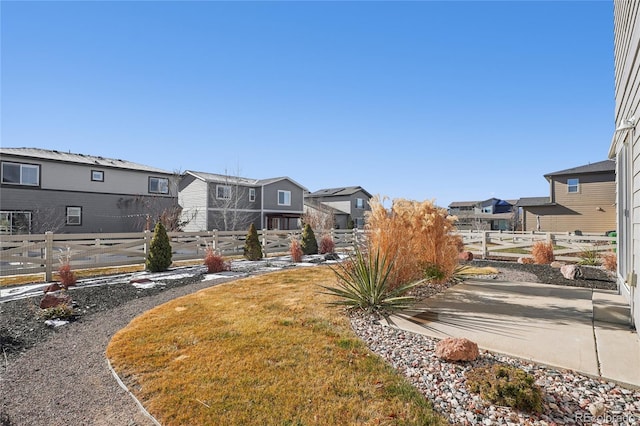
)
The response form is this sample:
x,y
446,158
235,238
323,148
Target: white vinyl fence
x,y
33,254
567,247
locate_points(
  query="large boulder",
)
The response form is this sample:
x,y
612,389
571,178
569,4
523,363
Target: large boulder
x,y
51,300
571,272
457,349
465,256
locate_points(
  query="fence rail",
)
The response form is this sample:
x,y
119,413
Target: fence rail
x,y
567,247
33,254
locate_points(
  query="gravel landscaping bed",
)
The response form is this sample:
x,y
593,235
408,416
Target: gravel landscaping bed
x,y
59,376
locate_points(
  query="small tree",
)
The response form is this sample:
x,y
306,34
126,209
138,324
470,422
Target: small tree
x,y
309,243
159,258
252,246
350,223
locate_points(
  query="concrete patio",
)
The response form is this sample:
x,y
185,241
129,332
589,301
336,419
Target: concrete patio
x,y
572,328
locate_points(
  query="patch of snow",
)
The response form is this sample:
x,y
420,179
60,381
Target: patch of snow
x,y
147,285
56,323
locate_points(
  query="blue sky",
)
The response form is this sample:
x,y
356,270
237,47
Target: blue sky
x,y
451,101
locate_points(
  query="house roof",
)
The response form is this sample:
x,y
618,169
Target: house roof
x,y
341,191
477,203
213,177
322,207
533,201
464,203
68,157
606,166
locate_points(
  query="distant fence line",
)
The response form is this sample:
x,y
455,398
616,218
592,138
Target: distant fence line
x,y
39,253
567,246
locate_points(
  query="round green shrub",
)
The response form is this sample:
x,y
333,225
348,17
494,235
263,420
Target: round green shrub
x,y
309,243
159,258
506,385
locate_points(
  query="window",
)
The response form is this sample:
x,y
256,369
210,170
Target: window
x,y
97,175
573,185
359,203
74,215
21,174
158,185
13,223
223,192
284,198
252,194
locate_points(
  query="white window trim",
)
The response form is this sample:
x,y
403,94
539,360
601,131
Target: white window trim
x,y
577,186
78,215
22,166
226,190
252,194
287,200
95,173
359,203
161,190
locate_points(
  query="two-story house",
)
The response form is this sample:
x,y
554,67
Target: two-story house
x,y
347,204
493,214
45,190
231,203
581,199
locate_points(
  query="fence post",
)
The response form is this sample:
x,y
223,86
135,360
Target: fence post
x,y
147,243
98,255
215,239
485,247
48,253
264,242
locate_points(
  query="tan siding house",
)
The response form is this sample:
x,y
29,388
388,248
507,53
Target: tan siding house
x,y
625,149
581,199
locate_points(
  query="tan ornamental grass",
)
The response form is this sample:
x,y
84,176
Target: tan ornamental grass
x,y
265,350
415,234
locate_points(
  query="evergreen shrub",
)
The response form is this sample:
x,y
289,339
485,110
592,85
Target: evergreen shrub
x,y
159,258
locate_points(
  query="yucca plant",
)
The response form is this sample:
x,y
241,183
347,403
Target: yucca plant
x,y
363,283
589,256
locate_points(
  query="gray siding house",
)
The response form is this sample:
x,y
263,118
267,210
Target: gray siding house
x,y
492,214
230,203
45,190
625,149
349,204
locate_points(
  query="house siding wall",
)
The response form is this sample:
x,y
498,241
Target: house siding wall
x,y
118,204
77,177
101,213
192,198
627,83
270,194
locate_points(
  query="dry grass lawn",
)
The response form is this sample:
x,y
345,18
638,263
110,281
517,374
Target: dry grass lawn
x,y
264,350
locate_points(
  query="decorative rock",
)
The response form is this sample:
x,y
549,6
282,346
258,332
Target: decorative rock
x,y
466,256
457,349
51,300
571,272
331,256
557,264
52,287
597,409
525,260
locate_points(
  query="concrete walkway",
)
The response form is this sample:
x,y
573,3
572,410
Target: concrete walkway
x,y
571,328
